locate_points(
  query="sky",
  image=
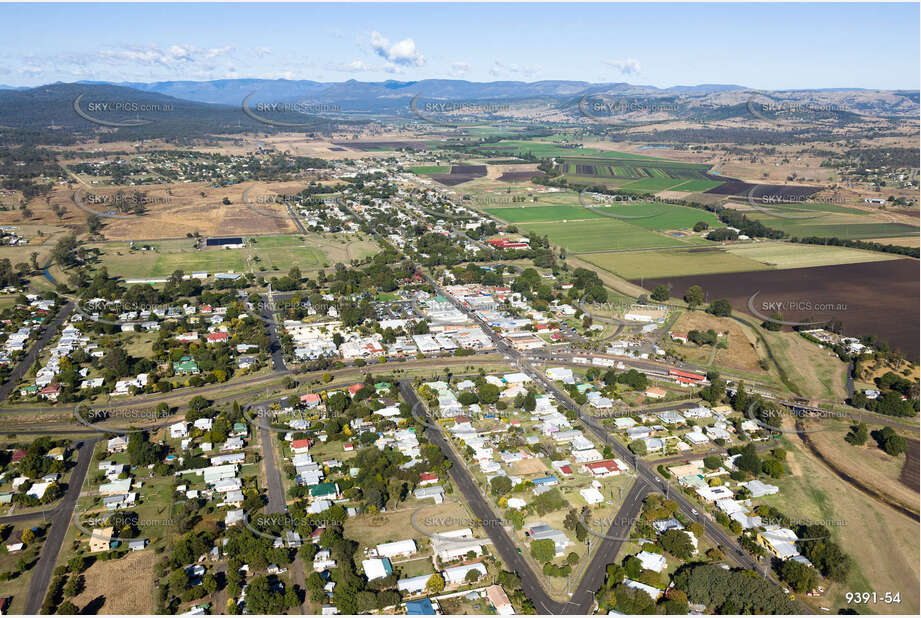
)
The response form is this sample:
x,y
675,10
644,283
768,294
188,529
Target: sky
x,y
765,46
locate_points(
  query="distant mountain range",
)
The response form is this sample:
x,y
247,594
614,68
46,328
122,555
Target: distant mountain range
x,y
215,106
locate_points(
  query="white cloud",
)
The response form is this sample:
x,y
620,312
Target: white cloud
x,y
356,66
626,67
460,68
500,69
401,53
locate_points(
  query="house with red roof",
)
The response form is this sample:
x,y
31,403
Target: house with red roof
x,y
51,392
606,467
355,388
311,400
18,455
300,446
218,337
427,478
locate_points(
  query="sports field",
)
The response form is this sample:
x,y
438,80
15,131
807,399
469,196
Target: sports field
x,y
264,253
425,170
601,235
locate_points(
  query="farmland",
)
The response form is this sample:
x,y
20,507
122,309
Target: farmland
x,y
794,255
672,262
834,225
531,214
867,291
601,235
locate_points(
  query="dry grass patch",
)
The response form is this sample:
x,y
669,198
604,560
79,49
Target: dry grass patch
x,y
126,584
530,466
817,372
742,352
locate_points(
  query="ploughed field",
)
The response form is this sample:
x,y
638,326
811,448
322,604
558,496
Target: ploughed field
x,y
879,298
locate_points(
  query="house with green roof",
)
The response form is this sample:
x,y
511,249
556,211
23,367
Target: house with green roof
x,y
185,366
324,490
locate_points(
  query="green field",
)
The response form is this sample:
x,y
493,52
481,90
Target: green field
x,y
673,217
528,214
601,235
794,255
267,253
545,149
834,225
425,170
672,263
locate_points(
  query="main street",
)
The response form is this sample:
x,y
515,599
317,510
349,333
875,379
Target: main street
x,y
648,479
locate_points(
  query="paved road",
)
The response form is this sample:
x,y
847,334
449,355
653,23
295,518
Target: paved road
x,y
493,526
278,359
60,522
274,485
51,329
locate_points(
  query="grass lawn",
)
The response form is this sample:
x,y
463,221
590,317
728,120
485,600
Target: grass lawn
x,y
816,372
280,253
601,235
672,262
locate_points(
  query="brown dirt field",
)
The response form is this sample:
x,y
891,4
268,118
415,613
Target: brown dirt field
x,y
125,584
910,476
742,353
189,212
530,466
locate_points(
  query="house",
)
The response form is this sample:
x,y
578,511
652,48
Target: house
x,y
300,446
58,453
376,568
397,549
325,490
179,430
591,495
51,392
234,517
137,544
185,366
606,467
539,531
435,492
652,562
421,607
654,593
101,539
118,486
118,444
413,585
655,392
427,478
458,574
781,542
499,600
218,337
14,542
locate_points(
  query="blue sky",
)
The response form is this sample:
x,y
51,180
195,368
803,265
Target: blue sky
x,y
766,46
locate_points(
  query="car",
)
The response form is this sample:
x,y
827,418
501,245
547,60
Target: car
x,y
694,512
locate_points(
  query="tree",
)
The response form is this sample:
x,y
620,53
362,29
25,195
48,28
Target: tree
x,y
472,576
661,293
858,434
748,459
436,583
694,296
677,543
773,468
637,447
800,577
500,485
720,308
713,462
543,550
700,226
889,441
